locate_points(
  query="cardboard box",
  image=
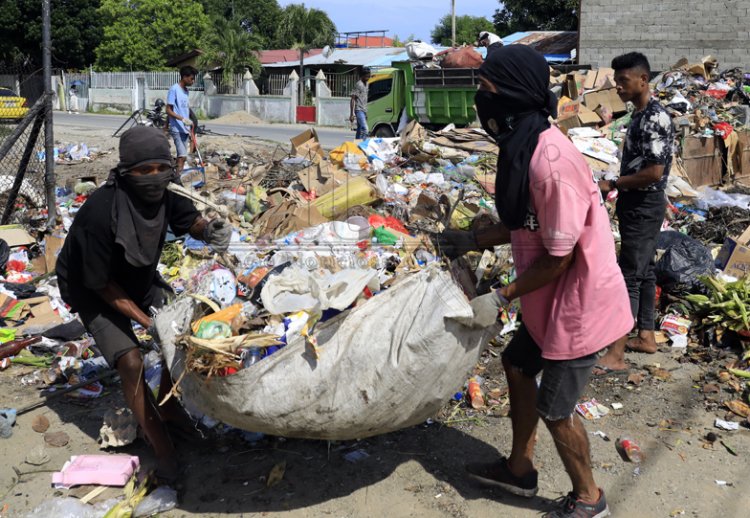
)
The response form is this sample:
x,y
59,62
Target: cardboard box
x,y
42,315
572,85
15,235
587,117
607,98
307,145
734,256
567,107
52,246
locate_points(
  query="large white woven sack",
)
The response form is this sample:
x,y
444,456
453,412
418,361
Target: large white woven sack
x,y
390,363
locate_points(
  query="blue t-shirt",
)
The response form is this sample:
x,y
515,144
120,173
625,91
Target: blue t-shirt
x,y
178,98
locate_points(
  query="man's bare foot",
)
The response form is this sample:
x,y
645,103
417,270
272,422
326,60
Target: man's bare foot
x,y
608,365
645,342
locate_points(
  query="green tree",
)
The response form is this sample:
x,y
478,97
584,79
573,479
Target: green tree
x,y
302,29
467,29
541,15
144,35
398,42
232,48
76,31
258,17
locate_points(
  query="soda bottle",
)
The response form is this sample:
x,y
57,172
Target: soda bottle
x,y
629,450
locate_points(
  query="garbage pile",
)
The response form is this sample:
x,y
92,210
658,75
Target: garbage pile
x,y
315,234
710,110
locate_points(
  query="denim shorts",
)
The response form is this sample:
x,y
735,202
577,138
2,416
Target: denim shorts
x,y
180,143
563,381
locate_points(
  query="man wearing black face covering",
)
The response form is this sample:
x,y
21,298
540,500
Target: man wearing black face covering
x,y
572,294
106,269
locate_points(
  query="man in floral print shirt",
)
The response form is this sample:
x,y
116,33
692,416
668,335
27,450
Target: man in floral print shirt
x,y
646,161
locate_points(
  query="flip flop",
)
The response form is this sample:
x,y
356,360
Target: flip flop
x,y
607,371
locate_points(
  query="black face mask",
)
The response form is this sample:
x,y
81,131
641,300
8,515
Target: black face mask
x,y
495,119
149,188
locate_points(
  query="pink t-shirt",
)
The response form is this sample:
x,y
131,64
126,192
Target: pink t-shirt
x,y
587,307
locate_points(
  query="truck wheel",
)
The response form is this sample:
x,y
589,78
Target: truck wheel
x,y
384,131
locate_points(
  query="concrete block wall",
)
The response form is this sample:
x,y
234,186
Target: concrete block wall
x,y
666,31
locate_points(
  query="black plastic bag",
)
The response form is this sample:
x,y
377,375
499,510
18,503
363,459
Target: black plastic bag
x,y
684,260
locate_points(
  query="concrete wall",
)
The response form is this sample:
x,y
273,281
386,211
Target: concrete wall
x,y
333,111
666,31
272,108
117,99
329,110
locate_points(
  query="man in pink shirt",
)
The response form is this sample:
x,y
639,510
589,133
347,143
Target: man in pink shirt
x,y
573,297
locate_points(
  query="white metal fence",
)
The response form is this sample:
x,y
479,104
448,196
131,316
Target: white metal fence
x,y
127,80
277,83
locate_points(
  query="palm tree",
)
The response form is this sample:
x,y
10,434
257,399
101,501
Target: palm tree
x,y
232,48
302,28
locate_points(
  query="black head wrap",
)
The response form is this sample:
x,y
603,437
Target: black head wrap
x,y
138,224
514,117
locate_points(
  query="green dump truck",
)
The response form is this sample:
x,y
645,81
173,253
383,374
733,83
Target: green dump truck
x,y
434,97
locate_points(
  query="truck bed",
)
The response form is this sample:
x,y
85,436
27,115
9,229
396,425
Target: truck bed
x,y
450,77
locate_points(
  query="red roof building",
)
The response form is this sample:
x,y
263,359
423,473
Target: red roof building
x,y
277,56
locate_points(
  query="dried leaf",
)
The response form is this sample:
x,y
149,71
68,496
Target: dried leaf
x,y
58,439
276,474
738,407
661,374
635,378
711,388
40,424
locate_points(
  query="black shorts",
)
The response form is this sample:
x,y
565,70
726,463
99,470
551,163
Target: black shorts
x,y
113,331
563,381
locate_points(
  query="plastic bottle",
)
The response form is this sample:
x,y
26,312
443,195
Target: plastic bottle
x,y
251,356
629,449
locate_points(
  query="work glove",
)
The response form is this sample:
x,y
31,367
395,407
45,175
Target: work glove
x,y
187,122
455,243
486,309
218,234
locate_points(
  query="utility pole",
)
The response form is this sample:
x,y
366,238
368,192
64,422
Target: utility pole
x,y
453,22
49,142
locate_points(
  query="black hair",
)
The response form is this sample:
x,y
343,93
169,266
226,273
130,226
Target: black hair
x,y
631,60
187,70
364,72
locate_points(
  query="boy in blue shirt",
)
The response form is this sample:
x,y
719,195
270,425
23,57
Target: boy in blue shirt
x,y
178,112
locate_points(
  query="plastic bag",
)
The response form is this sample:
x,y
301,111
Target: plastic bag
x,y
420,50
72,508
712,198
162,499
463,57
684,260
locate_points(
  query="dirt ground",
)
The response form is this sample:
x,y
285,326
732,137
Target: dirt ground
x,y
418,472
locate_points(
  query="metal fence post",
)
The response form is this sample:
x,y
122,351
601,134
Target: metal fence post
x,y
49,141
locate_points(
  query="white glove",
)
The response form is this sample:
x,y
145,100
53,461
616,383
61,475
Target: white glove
x,y
187,121
486,309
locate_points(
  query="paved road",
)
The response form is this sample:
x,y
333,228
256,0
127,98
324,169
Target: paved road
x,y
329,137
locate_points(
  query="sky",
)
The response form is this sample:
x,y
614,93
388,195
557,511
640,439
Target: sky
x,y
401,17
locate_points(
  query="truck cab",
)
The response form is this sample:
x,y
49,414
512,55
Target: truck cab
x,y
385,100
